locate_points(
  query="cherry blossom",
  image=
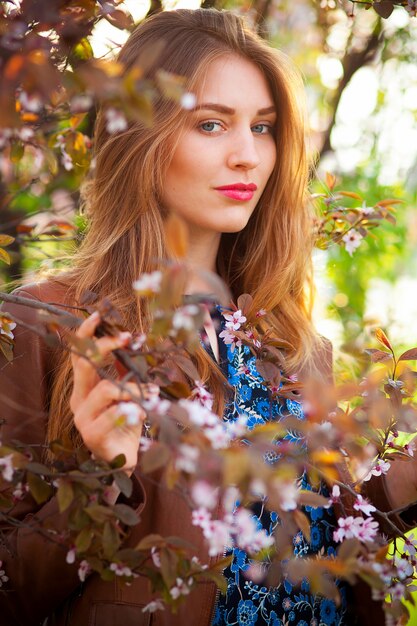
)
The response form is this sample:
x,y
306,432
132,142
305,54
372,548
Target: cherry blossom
x,y
397,591
154,605
6,467
201,517
201,394
410,545
352,240
380,467
367,210
183,317
230,339
148,284
115,121
404,568
129,413
411,8
71,555
187,458
3,577
234,320
156,559
145,443
349,527
83,570
120,569
204,494
219,537
180,589
198,414
362,504
158,405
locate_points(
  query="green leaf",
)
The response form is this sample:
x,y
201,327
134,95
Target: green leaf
x,y
65,495
39,468
98,513
5,256
84,539
39,489
126,515
118,461
111,540
124,484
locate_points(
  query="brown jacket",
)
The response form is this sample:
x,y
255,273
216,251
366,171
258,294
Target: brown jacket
x,y
42,585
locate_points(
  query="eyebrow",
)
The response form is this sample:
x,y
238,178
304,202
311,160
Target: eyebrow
x,y
221,108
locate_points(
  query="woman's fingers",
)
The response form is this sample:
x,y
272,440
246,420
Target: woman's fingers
x,y
85,374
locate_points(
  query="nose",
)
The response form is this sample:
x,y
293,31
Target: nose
x,y
243,153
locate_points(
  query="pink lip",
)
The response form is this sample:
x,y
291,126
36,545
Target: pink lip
x,y
238,191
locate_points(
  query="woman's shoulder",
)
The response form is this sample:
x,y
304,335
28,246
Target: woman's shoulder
x,y
53,290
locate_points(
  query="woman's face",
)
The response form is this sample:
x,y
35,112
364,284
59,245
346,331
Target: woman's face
x,y
224,158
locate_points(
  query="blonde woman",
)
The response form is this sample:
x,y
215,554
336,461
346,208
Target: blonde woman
x,y
235,169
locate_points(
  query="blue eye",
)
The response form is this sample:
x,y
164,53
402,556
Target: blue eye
x,y
262,129
210,126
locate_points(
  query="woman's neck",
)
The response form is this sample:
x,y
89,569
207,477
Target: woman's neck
x,y
201,256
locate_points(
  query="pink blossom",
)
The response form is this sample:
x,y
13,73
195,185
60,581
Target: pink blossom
x,y
129,413
115,121
6,326
201,517
335,497
187,458
397,591
156,404
404,568
362,529
410,545
219,537
230,339
362,504
218,436
198,414
380,467
288,494
83,570
201,394
261,313
154,605
204,494
410,448
234,320
145,443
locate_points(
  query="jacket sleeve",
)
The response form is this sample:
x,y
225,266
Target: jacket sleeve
x,y
39,578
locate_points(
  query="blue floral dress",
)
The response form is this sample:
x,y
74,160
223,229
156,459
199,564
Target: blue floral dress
x,y
247,603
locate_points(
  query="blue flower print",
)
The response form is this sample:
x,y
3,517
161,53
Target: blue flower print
x,y
316,537
245,392
246,613
274,620
295,408
327,612
239,562
253,421
263,407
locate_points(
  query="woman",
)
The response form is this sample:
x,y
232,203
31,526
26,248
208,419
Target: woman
x,y
235,169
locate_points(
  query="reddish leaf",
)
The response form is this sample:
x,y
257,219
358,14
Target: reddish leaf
x,y
330,180
65,495
378,355
384,8
155,458
409,355
311,498
244,303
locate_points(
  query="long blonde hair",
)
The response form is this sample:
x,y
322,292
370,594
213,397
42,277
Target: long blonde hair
x,y
270,258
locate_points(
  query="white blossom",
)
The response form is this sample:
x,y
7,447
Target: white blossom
x,y
201,394
129,412
187,458
3,577
61,200
81,102
154,605
83,570
120,569
156,404
183,317
156,559
188,101
362,529
380,467
404,568
204,494
71,554
115,121
180,589
367,210
352,240
148,284
362,504
6,467
30,102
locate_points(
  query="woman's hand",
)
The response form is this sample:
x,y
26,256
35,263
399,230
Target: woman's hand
x,y
95,402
